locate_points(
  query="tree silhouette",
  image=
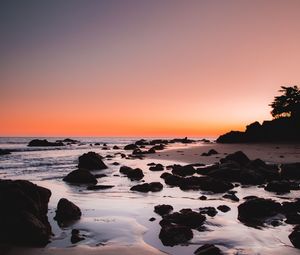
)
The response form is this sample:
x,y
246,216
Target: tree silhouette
x,y
288,104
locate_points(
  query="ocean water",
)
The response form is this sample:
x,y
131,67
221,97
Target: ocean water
x,y
120,216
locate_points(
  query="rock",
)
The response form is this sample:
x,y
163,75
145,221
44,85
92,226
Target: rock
x,y
203,197
232,197
223,208
198,183
186,217
68,141
75,237
171,235
43,143
147,187
99,187
158,167
238,157
163,209
133,174
210,211
23,214
183,170
256,210
209,153
131,147
80,176
295,237
152,219
91,161
208,249
141,142
116,147
4,152
116,163
67,211
249,197
151,150
278,186
158,147
290,171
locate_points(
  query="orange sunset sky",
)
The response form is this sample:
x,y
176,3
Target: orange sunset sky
x,y
143,68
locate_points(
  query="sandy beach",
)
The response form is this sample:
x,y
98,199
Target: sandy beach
x,y
271,153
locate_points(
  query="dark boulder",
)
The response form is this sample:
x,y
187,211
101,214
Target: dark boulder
x,y
208,249
116,147
210,211
238,157
171,235
209,153
67,211
158,147
290,171
147,187
23,214
158,167
295,237
80,176
76,237
232,197
132,174
91,161
43,143
183,170
256,210
280,187
131,147
163,209
186,217
223,208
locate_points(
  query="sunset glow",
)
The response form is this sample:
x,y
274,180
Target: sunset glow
x,y
143,68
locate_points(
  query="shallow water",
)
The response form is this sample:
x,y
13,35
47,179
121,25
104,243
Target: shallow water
x,y
121,216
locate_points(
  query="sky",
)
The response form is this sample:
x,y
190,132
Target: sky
x,y
143,67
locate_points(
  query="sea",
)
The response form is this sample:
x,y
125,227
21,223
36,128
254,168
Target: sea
x,y
118,216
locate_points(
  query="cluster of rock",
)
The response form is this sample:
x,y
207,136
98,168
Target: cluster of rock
x,y
277,130
44,143
23,214
87,162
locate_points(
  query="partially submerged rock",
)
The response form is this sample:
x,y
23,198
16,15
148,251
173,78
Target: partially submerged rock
x,y
23,214
163,209
147,187
280,187
76,237
80,176
91,161
256,210
99,187
295,237
208,249
183,170
43,143
223,208
67,211
133,174
131,147
210,211
157,167
290,171
171,235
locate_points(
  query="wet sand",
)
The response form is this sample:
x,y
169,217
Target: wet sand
x,y
271,153
140,249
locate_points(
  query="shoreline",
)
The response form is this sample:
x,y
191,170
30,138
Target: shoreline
x,y
275,153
